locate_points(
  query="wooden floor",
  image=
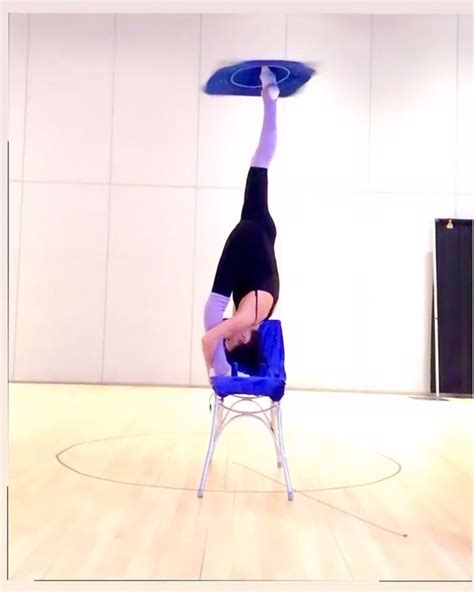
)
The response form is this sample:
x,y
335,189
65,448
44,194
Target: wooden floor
x,y
102,485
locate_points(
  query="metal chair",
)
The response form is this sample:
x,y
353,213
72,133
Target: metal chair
x,y
269,385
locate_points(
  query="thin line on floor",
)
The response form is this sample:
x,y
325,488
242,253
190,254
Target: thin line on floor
x,y
203,554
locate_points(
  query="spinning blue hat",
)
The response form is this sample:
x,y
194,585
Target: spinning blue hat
x,y
244,78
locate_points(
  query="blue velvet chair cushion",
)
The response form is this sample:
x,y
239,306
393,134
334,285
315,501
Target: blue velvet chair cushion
x,y
271,378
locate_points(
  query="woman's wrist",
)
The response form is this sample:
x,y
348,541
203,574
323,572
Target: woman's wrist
x,y
208,340
208,348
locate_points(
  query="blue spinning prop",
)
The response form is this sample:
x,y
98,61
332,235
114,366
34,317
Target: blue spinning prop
x,y
244,78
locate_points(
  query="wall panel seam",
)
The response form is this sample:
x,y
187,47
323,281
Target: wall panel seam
x,y
8,207
109,206
302,189
22,192
369,163
196,193
456,147
371,71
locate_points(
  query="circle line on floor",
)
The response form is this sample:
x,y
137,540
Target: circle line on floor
x,y
195,489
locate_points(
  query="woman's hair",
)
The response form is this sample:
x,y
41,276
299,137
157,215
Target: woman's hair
x,y
248,355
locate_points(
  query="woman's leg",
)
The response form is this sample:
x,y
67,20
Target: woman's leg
x,y
268,136
255,206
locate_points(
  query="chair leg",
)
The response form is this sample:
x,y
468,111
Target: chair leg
x,y
289,487
216,411
220,414
275,433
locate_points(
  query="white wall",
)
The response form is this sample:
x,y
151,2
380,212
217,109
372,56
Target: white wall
x,y
125,180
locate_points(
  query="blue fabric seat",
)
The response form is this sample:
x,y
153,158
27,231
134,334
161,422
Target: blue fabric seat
x,y
271,378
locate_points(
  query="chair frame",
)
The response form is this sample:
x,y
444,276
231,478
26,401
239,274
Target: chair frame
x,y
270,416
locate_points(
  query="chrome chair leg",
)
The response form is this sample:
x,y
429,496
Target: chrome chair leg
x,y
220,413
274,429
289,487
216,413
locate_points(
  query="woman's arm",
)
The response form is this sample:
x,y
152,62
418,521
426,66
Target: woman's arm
x,y
214,309
213,315
268,136
241,320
